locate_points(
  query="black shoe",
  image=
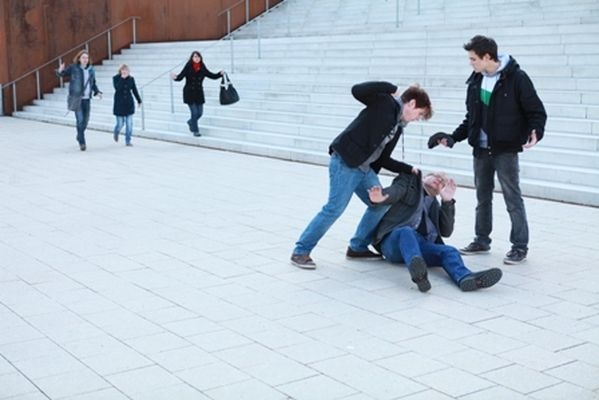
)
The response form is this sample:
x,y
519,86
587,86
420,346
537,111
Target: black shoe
x,y
197,134
129,144
481,279
82,146
515,256
303,261
419,274
361,255
116,137
475,248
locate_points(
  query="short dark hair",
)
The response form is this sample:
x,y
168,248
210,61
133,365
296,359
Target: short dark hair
x,y
418,94
482,45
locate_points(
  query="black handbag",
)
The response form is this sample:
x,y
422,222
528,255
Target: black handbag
x,y
228,94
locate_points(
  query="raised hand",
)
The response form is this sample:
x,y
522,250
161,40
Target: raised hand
x,y
375,194
448,191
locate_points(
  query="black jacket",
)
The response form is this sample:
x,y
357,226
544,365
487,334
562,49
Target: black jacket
x,y
367,131
123,101
193,92
405,194
515,110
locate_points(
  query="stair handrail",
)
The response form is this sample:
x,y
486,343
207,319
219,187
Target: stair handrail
x,y
85,44
228,36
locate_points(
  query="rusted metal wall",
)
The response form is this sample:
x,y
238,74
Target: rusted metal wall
x,y
33,32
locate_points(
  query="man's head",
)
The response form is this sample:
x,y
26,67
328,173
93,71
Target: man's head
x,y
434,182
416,105
482,53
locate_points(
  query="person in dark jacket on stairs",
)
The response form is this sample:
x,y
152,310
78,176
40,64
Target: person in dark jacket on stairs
x,y
504,115
357,155
123,109
194,73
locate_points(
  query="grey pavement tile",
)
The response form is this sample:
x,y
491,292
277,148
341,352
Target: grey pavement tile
x,y
577,373
454,382
14,384
451,328
191,326
277,337
166,315
30,396
433,345
18,333
157,343
366,377
537,358
142,380
316,388
492,343
411,364
74,382
550,340
586,352
305,322
179,392
507,326
427,395
29,349
247,390
474,361
102,394
182,358
112,362
521,312
312,351
218,340
281,370
562,324
590,335
55,364
394,332
495,393
93,346
521,379
564,391
210,376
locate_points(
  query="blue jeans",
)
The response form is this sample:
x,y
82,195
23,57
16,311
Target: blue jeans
x,y
508,170
344,181
403,244
82,118
126,120
196,110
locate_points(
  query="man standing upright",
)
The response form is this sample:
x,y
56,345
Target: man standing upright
x,y
503,115
357,155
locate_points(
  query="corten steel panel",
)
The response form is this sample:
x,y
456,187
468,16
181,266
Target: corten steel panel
x,y
35,31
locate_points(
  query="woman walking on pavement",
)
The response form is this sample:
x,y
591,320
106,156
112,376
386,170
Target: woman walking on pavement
x,y
194,73
124,85
81,88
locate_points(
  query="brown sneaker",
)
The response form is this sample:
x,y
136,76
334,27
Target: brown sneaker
x,y
303,261
361,255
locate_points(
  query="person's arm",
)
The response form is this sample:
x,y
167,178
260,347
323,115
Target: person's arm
x,y
62,71
181,74
92,79
391,194
533,109
367,92
210,74
447,210
389,163
134,90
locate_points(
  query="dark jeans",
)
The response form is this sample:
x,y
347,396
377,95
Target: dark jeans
x,y
196,113
508,173
82,118
403,244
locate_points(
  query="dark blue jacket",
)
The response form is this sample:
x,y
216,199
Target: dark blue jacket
x,y
514,111
366,132
123,100
76,83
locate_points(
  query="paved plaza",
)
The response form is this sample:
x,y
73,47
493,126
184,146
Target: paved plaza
x,y
162,271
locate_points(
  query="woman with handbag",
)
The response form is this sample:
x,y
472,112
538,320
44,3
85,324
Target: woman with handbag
x,y
194,73
81,88
123,109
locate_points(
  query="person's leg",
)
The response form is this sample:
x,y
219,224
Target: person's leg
x,y
128,128
342,182
372,216
117,128
403,244
508,173
447,257
82,118
484,172
193,120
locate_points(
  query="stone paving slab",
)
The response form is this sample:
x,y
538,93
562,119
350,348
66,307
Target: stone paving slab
x,y
162,271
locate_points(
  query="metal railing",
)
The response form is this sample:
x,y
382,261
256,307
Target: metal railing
x,y
85,45
228,36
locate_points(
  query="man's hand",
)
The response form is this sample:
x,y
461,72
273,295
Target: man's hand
x,y
448,190
440,138
376,195
532,140
60,66
173,75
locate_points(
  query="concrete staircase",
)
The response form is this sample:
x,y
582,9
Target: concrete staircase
x,y
296,96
